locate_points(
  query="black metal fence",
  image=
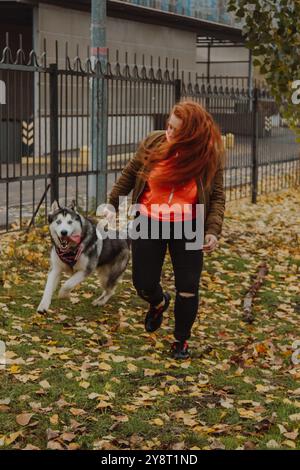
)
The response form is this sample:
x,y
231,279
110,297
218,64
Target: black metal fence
x,y
51,112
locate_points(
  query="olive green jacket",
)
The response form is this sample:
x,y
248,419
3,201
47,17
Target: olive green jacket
x,y
212,198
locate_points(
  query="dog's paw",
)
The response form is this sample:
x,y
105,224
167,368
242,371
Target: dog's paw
x,y
99,302
64,294
42,308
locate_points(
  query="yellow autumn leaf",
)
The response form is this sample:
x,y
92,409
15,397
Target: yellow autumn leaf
x,y
248,414
87,295
295,417
190,379
54,419
121,418
77,411
189,421
104,366
151,372
14,369
132,368
103,404
118,359
262,388
289,443
12,437
64,357
157,422
84,384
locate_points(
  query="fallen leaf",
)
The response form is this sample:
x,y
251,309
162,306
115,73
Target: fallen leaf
x,y
151,372
45,384
84,384
31,447
54,419
6,401
12,437
202,379
262,388
93,395
249,445
67,436
226,403
292,435
77,411
52,434
272,444
157,422
121,418
4,408
73,446
14,369
248,414
24,418
289,443
189,421
104,366
103,404
178,446
295,417
54,445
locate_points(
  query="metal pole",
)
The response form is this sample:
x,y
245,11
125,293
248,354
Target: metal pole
x,y
54,132
98,182
250,78
207,100
254,147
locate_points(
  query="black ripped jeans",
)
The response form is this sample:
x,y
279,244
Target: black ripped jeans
x,y
147,261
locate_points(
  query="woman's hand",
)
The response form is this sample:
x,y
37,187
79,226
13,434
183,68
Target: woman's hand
x,y
109,215
211,243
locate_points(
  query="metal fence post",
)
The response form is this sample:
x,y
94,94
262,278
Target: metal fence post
x,y
254,179
54,132
177,90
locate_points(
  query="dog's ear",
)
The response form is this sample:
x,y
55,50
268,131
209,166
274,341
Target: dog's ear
x,y
73,206
54,207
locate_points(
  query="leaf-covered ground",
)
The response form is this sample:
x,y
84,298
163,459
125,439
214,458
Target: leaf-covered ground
x,y
91,378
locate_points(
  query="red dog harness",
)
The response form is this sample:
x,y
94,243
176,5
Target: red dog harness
x,y
70,255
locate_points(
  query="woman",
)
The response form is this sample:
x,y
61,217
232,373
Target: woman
x,y
183,164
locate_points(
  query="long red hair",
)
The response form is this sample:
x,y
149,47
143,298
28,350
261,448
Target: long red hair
x,y
197,145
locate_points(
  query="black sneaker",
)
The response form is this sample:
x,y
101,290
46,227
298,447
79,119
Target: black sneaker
x,y
154,316
180,350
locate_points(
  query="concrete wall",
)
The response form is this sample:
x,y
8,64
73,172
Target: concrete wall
x,y
64,25
140,41
223,54
53,23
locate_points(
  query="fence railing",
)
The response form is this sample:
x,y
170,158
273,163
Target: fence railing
x,y
49,116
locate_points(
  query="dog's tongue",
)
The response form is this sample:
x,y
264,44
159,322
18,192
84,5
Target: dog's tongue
x,y
75,239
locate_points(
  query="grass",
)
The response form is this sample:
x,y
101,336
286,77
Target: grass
x,y
111,385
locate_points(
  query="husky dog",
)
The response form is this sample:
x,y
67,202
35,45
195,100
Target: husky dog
x,y
79,248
